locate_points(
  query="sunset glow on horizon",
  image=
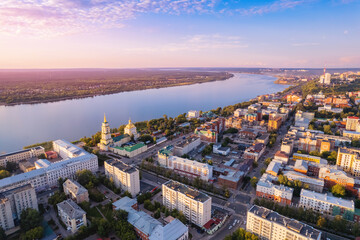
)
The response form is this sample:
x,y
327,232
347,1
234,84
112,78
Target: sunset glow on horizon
x,y
179,33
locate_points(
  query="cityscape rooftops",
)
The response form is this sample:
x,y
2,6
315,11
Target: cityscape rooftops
x,y
188,191
291,224
121,166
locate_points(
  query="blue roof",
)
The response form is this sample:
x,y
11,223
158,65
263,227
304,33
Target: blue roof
x,y
149,225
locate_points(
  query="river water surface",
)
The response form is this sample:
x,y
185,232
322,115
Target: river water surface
x,y
23,125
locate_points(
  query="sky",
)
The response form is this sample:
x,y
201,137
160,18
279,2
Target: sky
x,y
179,33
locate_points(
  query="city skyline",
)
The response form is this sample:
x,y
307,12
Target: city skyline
x,y
188,33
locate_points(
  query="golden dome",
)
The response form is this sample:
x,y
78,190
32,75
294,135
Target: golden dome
x,y
130,125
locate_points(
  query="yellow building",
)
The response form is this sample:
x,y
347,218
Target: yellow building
x,y
298,156
130,129
106,140
349,160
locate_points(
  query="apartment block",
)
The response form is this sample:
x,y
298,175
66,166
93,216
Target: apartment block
x,y
195,205
13,202
349,160
324,203
270,225
71,215
190,168
47,173
187,145
279,193
124,176
21,155
352,123
77,192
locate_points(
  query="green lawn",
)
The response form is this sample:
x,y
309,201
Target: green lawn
x,y
93,212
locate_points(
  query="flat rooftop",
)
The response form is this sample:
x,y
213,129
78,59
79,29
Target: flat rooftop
x,y
132,147
120,165
342,203
293,225
166,150
188,191
187,141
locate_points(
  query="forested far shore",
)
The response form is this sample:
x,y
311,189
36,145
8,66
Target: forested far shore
x,y
31,86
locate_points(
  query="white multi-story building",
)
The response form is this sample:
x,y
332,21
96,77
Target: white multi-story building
x,y
190,168
193,114
71,215
21,155
270,225
47,174
164,154
187,145
349,160
240,112
124,176
313,183
195,205
325,79
351,123
278,193
13,202
324,203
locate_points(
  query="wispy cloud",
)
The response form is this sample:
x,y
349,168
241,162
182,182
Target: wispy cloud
x,y
273,7
197,43
305,44
59,17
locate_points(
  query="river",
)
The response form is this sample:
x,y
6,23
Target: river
x,y
27,124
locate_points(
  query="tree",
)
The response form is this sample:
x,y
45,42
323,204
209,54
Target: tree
x,y
30,218
262,171
58,197
35,233
327,129
157,214
268,161
338,190
11,166
127,194
121,215
254,181
2,234
85,176
321,222
104,228
4,174
60,184
227,193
